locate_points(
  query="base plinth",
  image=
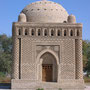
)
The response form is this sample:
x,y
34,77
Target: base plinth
x,y
34,85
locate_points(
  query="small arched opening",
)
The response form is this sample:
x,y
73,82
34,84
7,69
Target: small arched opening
x,y
45,32
26,32
77,32
71,33
65,33
19,32
52,32
39,32
32,32
58,33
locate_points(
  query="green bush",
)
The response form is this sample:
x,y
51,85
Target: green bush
x,y
40,89
2,74
86,79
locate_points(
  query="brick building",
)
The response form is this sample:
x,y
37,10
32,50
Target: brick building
x,y
47,49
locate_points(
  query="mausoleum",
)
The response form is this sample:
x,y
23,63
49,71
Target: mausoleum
x,y
47,49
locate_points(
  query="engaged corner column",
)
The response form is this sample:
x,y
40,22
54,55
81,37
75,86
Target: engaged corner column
x,y
79,62
15,71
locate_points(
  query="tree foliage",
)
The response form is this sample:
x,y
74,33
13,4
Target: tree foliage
x,y
5,54
86,56
85,59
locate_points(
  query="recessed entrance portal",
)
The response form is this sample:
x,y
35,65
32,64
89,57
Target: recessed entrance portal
x,y
49,67
47,72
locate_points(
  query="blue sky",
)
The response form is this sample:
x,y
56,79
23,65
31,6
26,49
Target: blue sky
x,y
10,9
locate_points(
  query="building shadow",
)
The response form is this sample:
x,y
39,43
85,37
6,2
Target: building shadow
x,y
5,85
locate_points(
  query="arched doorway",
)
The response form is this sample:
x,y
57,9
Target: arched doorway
x,y
49,67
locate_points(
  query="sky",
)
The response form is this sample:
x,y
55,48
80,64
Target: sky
x,y
10,9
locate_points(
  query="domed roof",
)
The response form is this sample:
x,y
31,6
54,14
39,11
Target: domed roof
x,y
22,18
71,19
45,11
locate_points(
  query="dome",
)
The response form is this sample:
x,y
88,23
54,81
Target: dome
x,y
45,11
22,18
71,19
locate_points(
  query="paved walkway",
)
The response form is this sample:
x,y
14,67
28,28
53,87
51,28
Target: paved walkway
x,y
87,88
6,88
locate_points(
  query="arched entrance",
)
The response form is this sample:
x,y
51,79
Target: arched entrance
x,y
49,67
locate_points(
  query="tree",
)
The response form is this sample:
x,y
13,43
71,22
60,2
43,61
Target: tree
x,y
88,61
5,54
85,59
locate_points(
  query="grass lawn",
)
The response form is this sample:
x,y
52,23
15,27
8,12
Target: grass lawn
x,y
87,79
5,80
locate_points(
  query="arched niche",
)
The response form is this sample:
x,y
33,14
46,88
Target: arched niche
x,y
49,60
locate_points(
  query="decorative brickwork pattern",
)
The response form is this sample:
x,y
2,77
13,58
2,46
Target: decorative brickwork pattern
x,y
15,74
67,71
28,60
69,57
55,48
79,67
27,51
28,71
68,61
